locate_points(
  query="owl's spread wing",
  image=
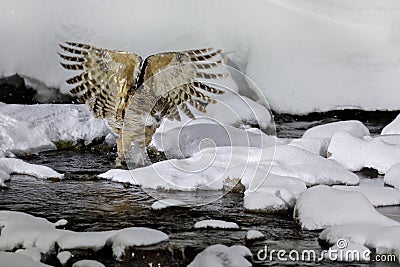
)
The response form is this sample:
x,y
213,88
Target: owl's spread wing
x,y
173,77
106,79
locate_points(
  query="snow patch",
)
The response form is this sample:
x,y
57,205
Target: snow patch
x,y
392,176
254,235
166,203
393,127
219,224
220,255
88,263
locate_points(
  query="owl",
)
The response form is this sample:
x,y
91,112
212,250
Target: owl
x,y
135,94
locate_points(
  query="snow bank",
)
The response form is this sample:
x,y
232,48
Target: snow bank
x,y
221,255
357,153
21,230
322,47
378,196
393,127
356,128
9,259
16,166
34,128
321,206
219,224
392,176
254,235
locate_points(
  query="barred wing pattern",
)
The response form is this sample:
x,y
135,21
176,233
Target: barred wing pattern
x,y
106,80
125,90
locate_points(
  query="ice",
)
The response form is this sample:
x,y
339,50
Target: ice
x,y
322,47
393,127
10,259
64,256
357,153
392,176
356,128
88,263
378,196
216,224
166,203
220,255
135,237
321,206
21,230
254,235
35,128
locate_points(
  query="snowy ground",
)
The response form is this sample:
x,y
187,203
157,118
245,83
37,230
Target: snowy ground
x,y
345,52
311,176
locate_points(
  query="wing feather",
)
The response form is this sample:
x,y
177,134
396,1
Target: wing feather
x,y
106,80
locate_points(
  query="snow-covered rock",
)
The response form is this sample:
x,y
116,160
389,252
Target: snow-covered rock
x,y
378,196
322,46
221,256
10,259
318,146
393,127
392,176
254,235
34,253
34,128
166,203
321,206
219,224
17,166
357,153
88,263
273,193
312,169
64,256
136,236
385,241
356,128
21,230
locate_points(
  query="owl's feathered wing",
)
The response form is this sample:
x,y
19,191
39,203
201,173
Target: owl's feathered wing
x,y
122,88
106,80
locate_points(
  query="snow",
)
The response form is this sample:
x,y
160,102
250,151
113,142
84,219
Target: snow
x,y
64,256
321,206
9,259
166,203
17,166
378,196
61,223
346,53
357,153
21,230
254,235
220,255
351,232
352,252
385,241
34,253
393,127
35,128
392,176
216,224
273,193
88,263
356,128
137,236
210,168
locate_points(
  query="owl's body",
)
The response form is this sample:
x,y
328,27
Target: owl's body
x,y
134,93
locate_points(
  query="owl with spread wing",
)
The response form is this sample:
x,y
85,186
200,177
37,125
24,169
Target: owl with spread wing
x,y
134,94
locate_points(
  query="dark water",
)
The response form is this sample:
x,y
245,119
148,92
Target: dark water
x,y
90,204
